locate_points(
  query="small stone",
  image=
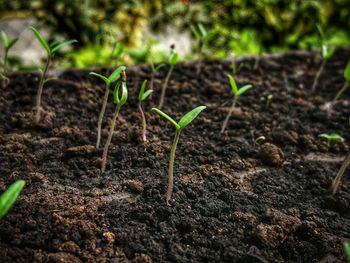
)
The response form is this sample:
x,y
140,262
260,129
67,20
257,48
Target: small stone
x,y
109,237
80,150
142,258
271,154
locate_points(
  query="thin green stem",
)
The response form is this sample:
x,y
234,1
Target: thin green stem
x,y
224,125
165,84
342,90
102,113
171,166
318,74
40,91
109,139
336,181
144,123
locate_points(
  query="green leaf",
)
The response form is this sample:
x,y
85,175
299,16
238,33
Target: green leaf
x,y
190,116
120,101
8,198
5,39
106,80
173,57
116,74
203,31
41,39
117,51
142,89
49,79
159,66
331,136
167,117
327,52
12,42
346,246
244,89
195,33
146,94
347,71
62,44
320,31
233,85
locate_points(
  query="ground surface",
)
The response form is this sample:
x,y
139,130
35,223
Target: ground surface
x,y
234,201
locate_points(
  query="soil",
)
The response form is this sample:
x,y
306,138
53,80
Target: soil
x,y
233,200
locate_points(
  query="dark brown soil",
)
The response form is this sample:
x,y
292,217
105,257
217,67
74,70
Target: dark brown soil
x,y
233,201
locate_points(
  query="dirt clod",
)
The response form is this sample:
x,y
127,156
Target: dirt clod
x,y
271,154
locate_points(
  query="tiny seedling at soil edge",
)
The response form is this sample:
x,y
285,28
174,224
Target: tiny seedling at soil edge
x,y
346,83
179,126
7,44
51,49
142,96
236,93
331,138
8,198
155,70
108,81
172,60
346,246
119,102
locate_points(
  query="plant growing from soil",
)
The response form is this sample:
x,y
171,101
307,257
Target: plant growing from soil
x,y
172,60
179,126
8,198
331,138
119,102
108,81
51,49
237,92
336,181
200,35
155,70
346,83
7,45
142,96
346,246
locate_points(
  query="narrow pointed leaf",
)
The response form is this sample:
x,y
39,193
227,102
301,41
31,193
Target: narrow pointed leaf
x,y
101,77
190,116
12,42
62,45
320,31
167,117
8,198
202,30
233,85
244,89
142,89
347,71
116,74
49,79
120,101
146,94
159,66
5,40
41,39
195,33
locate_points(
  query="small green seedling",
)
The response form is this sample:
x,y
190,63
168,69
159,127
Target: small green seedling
x,y
7,45
260,140
346,246
119,102
179,126
142,96
108,81
8,198
331,138
155,70
172,60
346,83
237,92
51,49
201,36
268,100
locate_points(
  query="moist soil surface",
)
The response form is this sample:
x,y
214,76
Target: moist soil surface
x,y
234,200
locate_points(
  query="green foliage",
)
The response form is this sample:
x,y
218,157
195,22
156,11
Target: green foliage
x,y
238,91
173,57
327,52
144,94
8,198
331,138
154,68
347,251
112,77
6,42
347,71
120,100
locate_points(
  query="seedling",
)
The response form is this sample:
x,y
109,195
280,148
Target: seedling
x,y
179,126
7,45
108,81
51,49
260,140
201,35
268,100
172,60
155,70
8,198
119,102
237,92
331,138
346,246
142,96
346,83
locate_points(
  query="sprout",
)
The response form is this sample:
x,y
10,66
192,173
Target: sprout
x,y
7,44
8,198
346,246
142,96
155,70
268,100
119,101
201,35
172,60
51,49
236,93
260,140
108,81
331,138
179,126
346,83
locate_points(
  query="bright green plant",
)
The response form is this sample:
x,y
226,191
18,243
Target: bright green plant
x,y
108,81
201,36
8,198
346,246
7,45
237,92
179,126
142,96
172,60
155,70
346,83
331,138
51,49
119,102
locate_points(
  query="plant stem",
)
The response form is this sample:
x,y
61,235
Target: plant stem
x,y
200,58
165,84
100,117
228,115
171,166
110,135
336,181
40,91
341,91
318,74
144,124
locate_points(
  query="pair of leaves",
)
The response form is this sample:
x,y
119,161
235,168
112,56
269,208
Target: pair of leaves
x,y
173,56
201,33
155,69
6,42
52,48
144,94
185,120
8,198
330,137
347,71
238,91
111,78
120,100
327,52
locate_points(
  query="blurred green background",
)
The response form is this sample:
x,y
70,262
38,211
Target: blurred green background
x,y
111,32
